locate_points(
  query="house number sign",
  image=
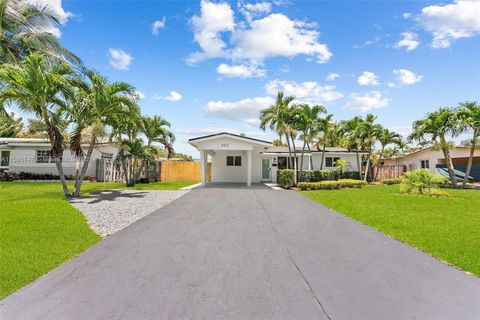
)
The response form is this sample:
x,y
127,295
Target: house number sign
x,y
224,145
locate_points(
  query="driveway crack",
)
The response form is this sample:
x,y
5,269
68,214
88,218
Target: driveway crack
x,y
292,260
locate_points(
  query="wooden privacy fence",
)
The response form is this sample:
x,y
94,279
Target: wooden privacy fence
x,y
107,171
387,172
183,171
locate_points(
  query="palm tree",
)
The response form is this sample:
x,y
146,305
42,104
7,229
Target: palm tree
x,y
93,104
469,114
156,129
351,129
276,117
10,126
24,28
435,127
369,132
342,165
324,128
385,138
309,116
39,88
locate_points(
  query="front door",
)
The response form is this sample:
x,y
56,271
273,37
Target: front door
x,y
266,171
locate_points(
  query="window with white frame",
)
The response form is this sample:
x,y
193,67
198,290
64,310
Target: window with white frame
x,y
43,156
330,161
425,164
4,158
234,161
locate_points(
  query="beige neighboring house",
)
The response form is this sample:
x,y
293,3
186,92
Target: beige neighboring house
x,y
431,159
32,155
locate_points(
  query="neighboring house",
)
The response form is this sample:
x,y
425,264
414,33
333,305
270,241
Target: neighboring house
x,y
434,160
32,155
248,160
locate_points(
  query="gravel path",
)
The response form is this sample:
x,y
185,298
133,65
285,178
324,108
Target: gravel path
x,y
112,210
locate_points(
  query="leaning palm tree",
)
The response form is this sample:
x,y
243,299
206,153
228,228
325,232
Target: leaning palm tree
x,y
25,28
469,114
436,127
386,137
276,117
37,87
324,131
94,103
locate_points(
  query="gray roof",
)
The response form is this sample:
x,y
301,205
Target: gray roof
x,y
276,149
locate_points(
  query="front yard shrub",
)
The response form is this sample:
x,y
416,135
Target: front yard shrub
x,y
11,176
422,182
326,175
331,184
391,181
285,178
355,175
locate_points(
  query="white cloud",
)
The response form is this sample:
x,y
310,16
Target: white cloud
x,y
407,15
119,59
308,91
214,19
409,41
157,25
259,7
391,85
368,101
407,77
173,96
368,79
240,71
246,110
253,40
139,94
447,23
57,8
332,76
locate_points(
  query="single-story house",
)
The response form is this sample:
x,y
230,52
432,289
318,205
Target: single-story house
x,y
32,156
434,160
237,158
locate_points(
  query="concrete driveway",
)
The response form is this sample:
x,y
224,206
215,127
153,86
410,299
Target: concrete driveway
x,y
226,253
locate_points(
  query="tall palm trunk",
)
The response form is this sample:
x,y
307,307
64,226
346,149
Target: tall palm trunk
x,y
379,163
59,166
289,161
301,160
368,164
311,156
323,154
294,159
79,179
450,168
470,158
358,163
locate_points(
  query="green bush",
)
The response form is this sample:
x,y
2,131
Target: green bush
x,y
285,178
391,181
326,175
422,182
331,184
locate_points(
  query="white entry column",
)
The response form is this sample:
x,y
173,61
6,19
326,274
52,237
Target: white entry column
x,y
203,161
249,168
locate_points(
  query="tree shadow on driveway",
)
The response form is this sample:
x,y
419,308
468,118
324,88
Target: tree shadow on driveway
x,y
112,195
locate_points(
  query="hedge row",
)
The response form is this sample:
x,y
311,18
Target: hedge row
x,y
12,176
331,184
324,175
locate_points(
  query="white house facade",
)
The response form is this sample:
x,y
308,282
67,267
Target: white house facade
x,y
241,159
32,156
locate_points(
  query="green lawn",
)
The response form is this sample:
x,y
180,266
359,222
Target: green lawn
x,y
447,228
39,230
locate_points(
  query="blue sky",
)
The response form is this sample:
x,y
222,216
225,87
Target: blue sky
x,y
210,66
